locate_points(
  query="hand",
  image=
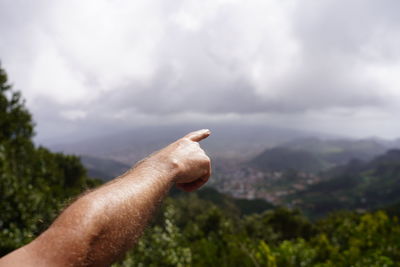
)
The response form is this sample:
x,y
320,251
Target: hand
x,y
186,157
114,215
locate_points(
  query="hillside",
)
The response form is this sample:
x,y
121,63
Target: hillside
x,y
103,169
230,204
340,151
357,185
283,159
313,154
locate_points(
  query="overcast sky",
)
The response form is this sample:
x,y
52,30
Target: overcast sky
x,y
95,66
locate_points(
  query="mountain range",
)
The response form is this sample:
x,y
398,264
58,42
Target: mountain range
x,y
228,141
317,174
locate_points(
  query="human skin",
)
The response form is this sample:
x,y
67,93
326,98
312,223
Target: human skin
x,y
100,226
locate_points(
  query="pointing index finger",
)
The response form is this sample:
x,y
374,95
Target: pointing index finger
x,y
197,136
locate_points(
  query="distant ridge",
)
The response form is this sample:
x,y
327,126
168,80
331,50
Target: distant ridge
x,y
340,151
282,159
313,154
103,169
227,141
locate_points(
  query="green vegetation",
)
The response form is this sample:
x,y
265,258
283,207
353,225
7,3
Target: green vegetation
x,y
357,185
195,232
34,183
234,205
198,229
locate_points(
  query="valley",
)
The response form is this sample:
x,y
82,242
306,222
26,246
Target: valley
x,y
314,174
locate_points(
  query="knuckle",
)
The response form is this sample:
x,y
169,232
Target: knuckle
x,y
206,158
200,151
183,141
207,173
207,163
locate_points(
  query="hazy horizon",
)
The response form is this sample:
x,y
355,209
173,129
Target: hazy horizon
x,y
182,128
94,68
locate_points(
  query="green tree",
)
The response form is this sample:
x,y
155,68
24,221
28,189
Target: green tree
x,y
34,182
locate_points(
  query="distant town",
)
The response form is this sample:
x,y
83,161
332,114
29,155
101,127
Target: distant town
x,y
242,181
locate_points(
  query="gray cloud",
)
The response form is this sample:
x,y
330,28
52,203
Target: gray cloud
x,y
97,64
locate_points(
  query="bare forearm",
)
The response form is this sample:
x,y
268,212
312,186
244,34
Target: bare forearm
x,y
103,224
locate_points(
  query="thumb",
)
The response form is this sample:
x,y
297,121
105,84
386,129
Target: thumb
x,y
197,136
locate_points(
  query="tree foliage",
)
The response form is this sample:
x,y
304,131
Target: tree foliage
x,y
34,182
281,237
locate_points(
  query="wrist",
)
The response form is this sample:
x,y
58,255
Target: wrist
x,y
166,167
